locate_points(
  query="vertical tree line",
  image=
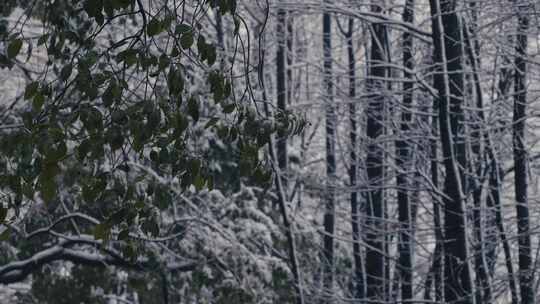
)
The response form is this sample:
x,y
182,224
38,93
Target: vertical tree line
x,y
330,137
465,174
375,103
403,154
526,272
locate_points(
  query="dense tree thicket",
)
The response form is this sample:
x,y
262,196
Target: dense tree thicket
x,y
269,151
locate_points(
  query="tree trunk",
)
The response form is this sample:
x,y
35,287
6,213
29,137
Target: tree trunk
x,y
526,277
374,163
328,246
403,163
438,259
290,40
281,96
449,84
359,284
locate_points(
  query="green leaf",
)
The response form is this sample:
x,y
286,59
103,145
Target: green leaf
x,y
211,122
102,232
31,90
262,176
232,6
154,156
4,236
3,214
56,153
119,117
181,124
210,183
182,28
91,91
201,45
91,58
245,167
163,62
175,52
223,6
211,54
129,56
48,189
108,6
14,48
130,251
153,120
83,149
164,155
118,217
92,119
93,8
216,86
163,198
229,108
175,82
193,108
139,204
195,167
66,72
88,194
154,27
199,182
233,134
223,132
236,25
118,4
38,101
151,227
112,94
186,41
115,138
227,89
49,171
123,235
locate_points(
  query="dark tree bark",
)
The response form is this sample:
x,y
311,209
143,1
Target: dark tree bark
x,y
358,280
328,246
374,163
449,83
281,95
526,276
290,40
403,163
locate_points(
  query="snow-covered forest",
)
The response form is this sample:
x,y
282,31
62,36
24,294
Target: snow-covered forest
x,y
269,151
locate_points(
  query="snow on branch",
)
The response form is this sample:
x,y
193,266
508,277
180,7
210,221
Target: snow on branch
x,y
17,271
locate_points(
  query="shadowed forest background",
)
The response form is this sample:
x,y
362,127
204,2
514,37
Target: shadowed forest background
x,y
269,151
